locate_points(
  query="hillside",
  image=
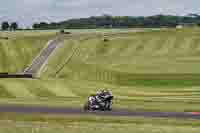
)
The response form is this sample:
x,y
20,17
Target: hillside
x,y
118,57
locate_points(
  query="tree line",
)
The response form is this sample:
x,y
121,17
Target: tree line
x,y
108,21
6,26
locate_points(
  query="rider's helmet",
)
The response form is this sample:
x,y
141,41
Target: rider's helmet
x,y
101,94
106,92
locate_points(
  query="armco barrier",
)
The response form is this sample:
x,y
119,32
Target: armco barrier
x,y
15,75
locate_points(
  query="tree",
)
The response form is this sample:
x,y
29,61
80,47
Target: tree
x,y
44,25
41,25
36,26
108,21
14,26
5,25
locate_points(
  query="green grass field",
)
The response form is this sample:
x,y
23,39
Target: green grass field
x,y
75,92
146,71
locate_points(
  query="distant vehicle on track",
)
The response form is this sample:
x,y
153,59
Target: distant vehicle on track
x,y
101,101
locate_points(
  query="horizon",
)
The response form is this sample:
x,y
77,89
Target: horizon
x,y
48,22
26,12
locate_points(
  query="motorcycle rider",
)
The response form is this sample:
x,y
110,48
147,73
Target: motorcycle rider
x,y
100,95
100,100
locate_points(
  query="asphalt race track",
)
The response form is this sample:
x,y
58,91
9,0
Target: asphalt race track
x,y
40,60
78,111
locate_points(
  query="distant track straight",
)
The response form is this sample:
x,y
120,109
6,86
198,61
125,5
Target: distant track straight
x,y
40,60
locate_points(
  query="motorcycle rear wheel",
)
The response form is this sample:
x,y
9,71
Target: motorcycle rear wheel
x,y
86,106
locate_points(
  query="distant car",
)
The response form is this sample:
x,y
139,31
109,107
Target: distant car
x,y
101,101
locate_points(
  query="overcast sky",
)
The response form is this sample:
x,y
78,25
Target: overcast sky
x,y
28,11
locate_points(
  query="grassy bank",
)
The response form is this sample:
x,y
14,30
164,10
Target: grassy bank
x,y
154,52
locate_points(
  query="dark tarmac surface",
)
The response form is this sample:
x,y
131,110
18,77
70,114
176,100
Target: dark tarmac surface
x,y
40,60
78,111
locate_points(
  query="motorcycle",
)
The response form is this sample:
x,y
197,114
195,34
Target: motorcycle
x,y
102,102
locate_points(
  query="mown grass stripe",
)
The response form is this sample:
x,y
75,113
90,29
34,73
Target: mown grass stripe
x,y
42,92
4,93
